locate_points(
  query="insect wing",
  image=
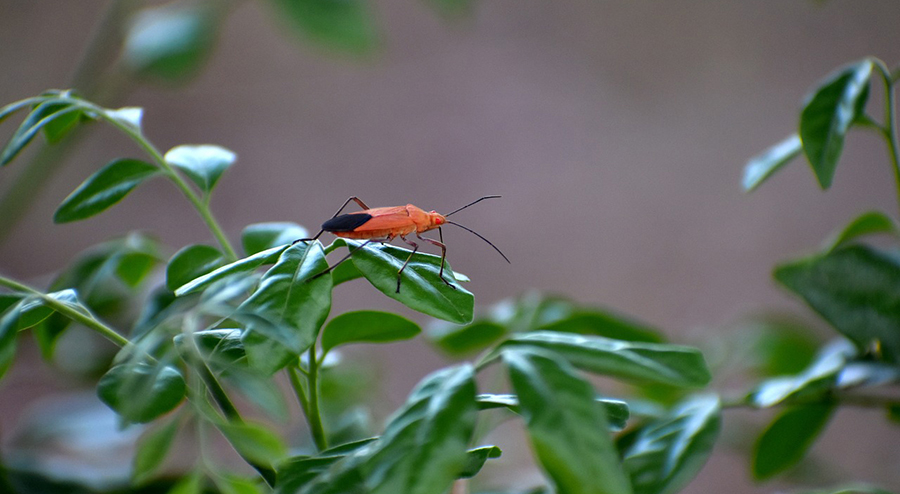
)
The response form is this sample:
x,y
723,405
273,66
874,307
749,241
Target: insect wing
x,y
386,219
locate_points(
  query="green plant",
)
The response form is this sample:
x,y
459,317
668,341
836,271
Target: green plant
x,y
225,323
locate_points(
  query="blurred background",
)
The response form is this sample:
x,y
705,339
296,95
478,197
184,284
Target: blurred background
x,y
616,132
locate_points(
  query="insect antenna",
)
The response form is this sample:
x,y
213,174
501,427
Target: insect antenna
x,y
478,234
470,204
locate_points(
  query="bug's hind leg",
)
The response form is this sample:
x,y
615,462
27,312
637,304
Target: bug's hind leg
x,y
443,257
352,251
352,198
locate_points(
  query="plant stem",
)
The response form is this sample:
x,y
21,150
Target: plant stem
x,y
201,206
889,130
85,318
314,415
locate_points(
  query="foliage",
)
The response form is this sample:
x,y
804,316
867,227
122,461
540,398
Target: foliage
x,y
227,321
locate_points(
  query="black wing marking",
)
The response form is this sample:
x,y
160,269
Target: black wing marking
x,y
346,222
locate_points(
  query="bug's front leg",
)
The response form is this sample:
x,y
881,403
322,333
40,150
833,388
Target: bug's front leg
x,y
415,247
443,257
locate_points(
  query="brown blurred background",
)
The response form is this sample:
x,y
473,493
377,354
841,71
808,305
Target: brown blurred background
x,y
616,132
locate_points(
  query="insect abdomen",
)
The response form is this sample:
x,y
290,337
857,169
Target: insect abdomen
x,y
346,222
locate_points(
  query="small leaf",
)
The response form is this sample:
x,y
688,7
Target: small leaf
x,y
261,236
763,166
246,264
130,116
868,223
344,25
604,323
291,303
463,340
367,326
59,127
617,411
203,164
103,189
856,289
43,114
420,287
134,267
152,450
788,438
668,452
254,442
141,392
568,431
674,365
820,376
171,41
828,114
10,109
192,262
476,458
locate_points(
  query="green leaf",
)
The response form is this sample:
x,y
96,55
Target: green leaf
x,y
220,348
476,458
103,189
58,127
568,431
44,114
763,166
674,365
261,236
170,42
266,355
191,484
819,377
421,289
367,326
344,272
129,116
244,265
343,25
464,340
856,289
254,442
10,109
604,323
9,329
291,301
203,164
868,223
423,450
152,449
47,333
788,438
617,412
297,471
668,452
232,484
192,262
828,114
141,392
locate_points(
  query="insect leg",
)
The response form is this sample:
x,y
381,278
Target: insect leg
x,y
352,251
352,198
415,247
443,256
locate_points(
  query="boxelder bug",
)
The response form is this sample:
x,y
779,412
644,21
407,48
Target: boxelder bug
x,y
383,224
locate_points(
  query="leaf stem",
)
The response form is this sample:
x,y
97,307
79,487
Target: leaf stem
x,y
85,318
314,415
199,204
889,131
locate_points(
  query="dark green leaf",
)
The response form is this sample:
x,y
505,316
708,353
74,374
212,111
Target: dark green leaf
x,y
44,114
668,452
867,223
220,348
152,450
815,379
674,365
604,323
249,263
828,114
856,289
261,236
170,42
344,25
761,167
141,392
134,267
421,289
266,355
58,127
617,412
203,164
462,340
476,458
568,431
254,442
9,329
787,439
47,333
344,272
291,300
297,471
103,189
190,263
13,107
367,326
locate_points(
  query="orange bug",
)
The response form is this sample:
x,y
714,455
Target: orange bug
x,y
384,224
